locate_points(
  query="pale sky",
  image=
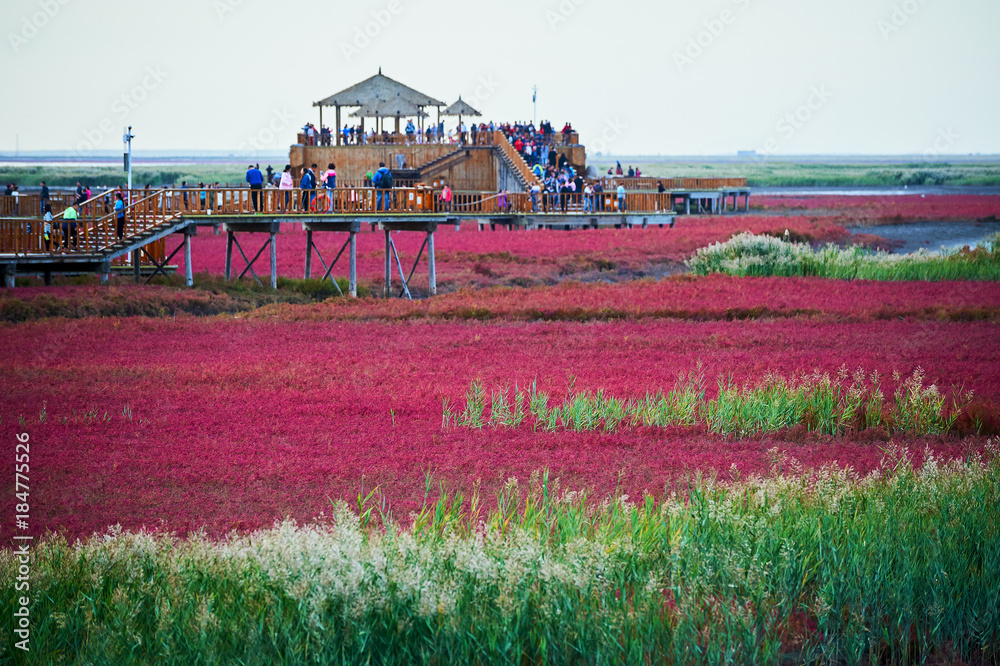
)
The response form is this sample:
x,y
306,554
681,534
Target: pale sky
x,y
713,77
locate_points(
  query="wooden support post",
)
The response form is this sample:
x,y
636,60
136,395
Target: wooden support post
x,y
105,272
188,269
8,275
48,278
431,268
137,266
309,253
352,287
746,202
687,205
274,262
229,254
387,292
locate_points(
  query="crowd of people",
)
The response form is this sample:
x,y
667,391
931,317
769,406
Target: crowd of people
x,y
631,173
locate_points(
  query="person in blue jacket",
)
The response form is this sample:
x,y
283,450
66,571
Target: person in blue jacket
x,y
383,183
307,184
256,180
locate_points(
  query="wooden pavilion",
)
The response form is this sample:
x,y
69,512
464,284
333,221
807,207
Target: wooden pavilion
x,y
372,94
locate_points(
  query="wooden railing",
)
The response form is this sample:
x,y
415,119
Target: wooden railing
x,y
149,210
82,236
514,158
30,205
482,138
651,183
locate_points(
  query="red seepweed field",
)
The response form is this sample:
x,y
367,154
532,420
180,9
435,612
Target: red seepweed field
x,y
235,421
578,448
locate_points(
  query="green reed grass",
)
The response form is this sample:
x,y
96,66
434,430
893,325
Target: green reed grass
x,y
901,566
828,405
749,254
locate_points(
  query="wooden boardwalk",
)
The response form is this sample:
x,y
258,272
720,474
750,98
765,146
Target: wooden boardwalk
x,y
154,216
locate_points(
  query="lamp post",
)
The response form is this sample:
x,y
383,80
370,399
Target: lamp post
x,y
534,103
127,140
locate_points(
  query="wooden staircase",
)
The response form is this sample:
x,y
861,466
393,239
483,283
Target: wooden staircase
x,y
514,160
445,162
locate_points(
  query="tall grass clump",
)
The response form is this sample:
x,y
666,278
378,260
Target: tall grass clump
x,y
749,254
845,403
900,566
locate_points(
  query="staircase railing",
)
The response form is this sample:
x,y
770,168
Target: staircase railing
x,y
514,159
82,236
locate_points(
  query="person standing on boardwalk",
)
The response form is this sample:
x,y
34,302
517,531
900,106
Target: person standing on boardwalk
x,y
598,197
47,227
383,183
69,226
44,197
287,183
621,198
256,180
446,198
330,182
120,215
307,183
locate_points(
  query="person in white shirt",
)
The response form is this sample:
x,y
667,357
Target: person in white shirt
x,y
621,198
536,191
588,199
287,183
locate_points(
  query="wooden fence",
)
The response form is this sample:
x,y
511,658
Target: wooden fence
x,y
84,236
482,138
650,183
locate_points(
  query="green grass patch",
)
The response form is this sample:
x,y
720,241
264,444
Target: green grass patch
x,y
749,254
900,566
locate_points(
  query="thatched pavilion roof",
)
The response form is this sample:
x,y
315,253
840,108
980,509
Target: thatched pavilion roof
x,y
460,108
378,87
389,108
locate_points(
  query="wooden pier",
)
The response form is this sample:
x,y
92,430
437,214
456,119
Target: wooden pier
x,y
153,217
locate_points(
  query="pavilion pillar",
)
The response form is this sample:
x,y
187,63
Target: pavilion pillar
x,y
397,125
339,134
321,121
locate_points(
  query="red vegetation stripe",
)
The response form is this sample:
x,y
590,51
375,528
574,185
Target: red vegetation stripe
x,y
234,423
908,207
540,253
711,297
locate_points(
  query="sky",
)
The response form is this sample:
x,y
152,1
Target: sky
x,y
781,77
